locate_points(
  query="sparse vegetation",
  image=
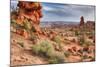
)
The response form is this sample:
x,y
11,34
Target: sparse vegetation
x,y
57,58
81,41
84,57
88,43
47,50
92,58
77,33
13,21
67,53
44,48
27,24
33,37
57,39
21,44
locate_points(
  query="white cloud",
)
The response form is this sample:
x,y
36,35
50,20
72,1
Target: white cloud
x,y
63,12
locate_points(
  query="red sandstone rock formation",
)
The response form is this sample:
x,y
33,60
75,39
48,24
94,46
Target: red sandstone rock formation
x,y
30,11
81,21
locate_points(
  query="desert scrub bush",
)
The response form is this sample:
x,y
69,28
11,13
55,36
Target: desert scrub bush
x,y
13,21
58,57
67,53
32,36
88,33
21,44
27,24
88,43
77,33
44,48
83,57
16,25
81,41
71,29
33,29
92,58
57,39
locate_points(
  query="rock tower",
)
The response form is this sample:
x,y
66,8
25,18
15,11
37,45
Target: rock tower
x,y
81,21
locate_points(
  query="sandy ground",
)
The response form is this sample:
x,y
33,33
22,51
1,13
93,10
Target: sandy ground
x,y
24,56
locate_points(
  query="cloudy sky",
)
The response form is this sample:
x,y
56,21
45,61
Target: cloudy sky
x,y
65,12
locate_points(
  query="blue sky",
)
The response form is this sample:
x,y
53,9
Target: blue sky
x,y
65,12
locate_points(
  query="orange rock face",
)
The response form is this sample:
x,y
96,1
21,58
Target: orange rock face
x,y
30,11
28,16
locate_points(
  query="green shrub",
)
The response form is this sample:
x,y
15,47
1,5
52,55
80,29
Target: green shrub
x,y
13,21
66,53
57,39
32,36
84,57
92,58
71,29
33,29
21,44
15,25
44,48
81,40
57,58
77,33
88,43
27,24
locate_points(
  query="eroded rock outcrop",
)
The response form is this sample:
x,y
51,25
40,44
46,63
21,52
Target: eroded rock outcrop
x,y
28,16
32,12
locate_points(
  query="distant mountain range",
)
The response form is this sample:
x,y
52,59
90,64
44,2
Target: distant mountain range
x,y
64,24
57,23
60,22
